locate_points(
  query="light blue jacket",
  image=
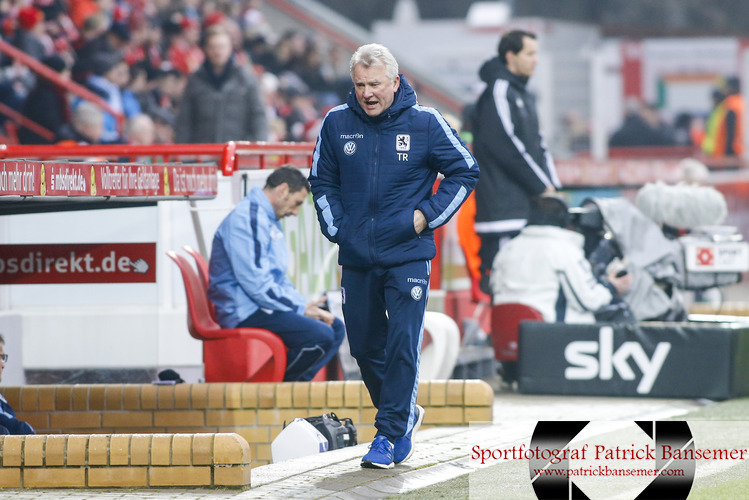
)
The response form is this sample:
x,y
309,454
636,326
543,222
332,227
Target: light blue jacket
x,y
249,260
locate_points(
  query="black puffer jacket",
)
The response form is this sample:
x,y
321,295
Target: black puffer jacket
x,y
508,145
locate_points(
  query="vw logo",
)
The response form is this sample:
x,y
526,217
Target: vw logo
x,y
349,148
416,293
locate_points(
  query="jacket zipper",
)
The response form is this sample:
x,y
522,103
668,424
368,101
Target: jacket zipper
x,y
373,198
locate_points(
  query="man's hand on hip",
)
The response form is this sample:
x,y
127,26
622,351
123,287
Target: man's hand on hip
x,y
420,222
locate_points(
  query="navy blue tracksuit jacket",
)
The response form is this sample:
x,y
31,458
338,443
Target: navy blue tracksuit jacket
x,y
9,424
368,176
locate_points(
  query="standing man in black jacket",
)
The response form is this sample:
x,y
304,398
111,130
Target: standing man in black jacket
x,y
515,163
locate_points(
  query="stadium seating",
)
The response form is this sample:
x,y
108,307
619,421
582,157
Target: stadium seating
x,y
505,320
229,354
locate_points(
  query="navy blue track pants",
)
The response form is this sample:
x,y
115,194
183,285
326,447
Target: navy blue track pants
x,y
384,312
311,342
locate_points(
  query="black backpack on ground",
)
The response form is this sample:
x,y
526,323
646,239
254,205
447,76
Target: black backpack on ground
x,y
339,432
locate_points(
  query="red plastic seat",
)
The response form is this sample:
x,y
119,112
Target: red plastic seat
x,y
203,272
200,263
229,354
505,320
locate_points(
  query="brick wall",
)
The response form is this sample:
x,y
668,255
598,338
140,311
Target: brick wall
x,y
124,460
724,309
256,412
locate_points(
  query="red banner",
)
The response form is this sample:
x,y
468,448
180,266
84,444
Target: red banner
x,y
19,178
33,178
78,263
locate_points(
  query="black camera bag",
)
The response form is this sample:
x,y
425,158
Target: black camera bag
x,y
339,432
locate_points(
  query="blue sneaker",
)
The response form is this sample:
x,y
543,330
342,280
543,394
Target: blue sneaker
x,y
404,447
380,455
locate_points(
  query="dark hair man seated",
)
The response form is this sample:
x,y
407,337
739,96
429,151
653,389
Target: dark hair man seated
x,y
248,281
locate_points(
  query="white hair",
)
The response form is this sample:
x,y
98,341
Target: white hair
x,y
374,54
87,114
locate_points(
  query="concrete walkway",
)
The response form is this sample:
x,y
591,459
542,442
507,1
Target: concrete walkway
x,y
441,454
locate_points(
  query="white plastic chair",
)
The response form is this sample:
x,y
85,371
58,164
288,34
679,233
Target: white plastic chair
x,y
439,357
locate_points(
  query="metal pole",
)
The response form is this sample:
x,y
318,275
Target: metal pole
x,y
198,229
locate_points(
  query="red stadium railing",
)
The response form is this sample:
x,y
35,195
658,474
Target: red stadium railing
x,y
654,153
241,155
229,157
646,152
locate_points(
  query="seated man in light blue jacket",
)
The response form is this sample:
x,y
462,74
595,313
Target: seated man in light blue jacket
x,y
248,282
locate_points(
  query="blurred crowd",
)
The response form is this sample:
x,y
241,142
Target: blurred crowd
x,y
138,55
717,133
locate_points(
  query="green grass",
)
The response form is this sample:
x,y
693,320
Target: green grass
x,y
733,409
734,483
729,485
509,480
737,489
